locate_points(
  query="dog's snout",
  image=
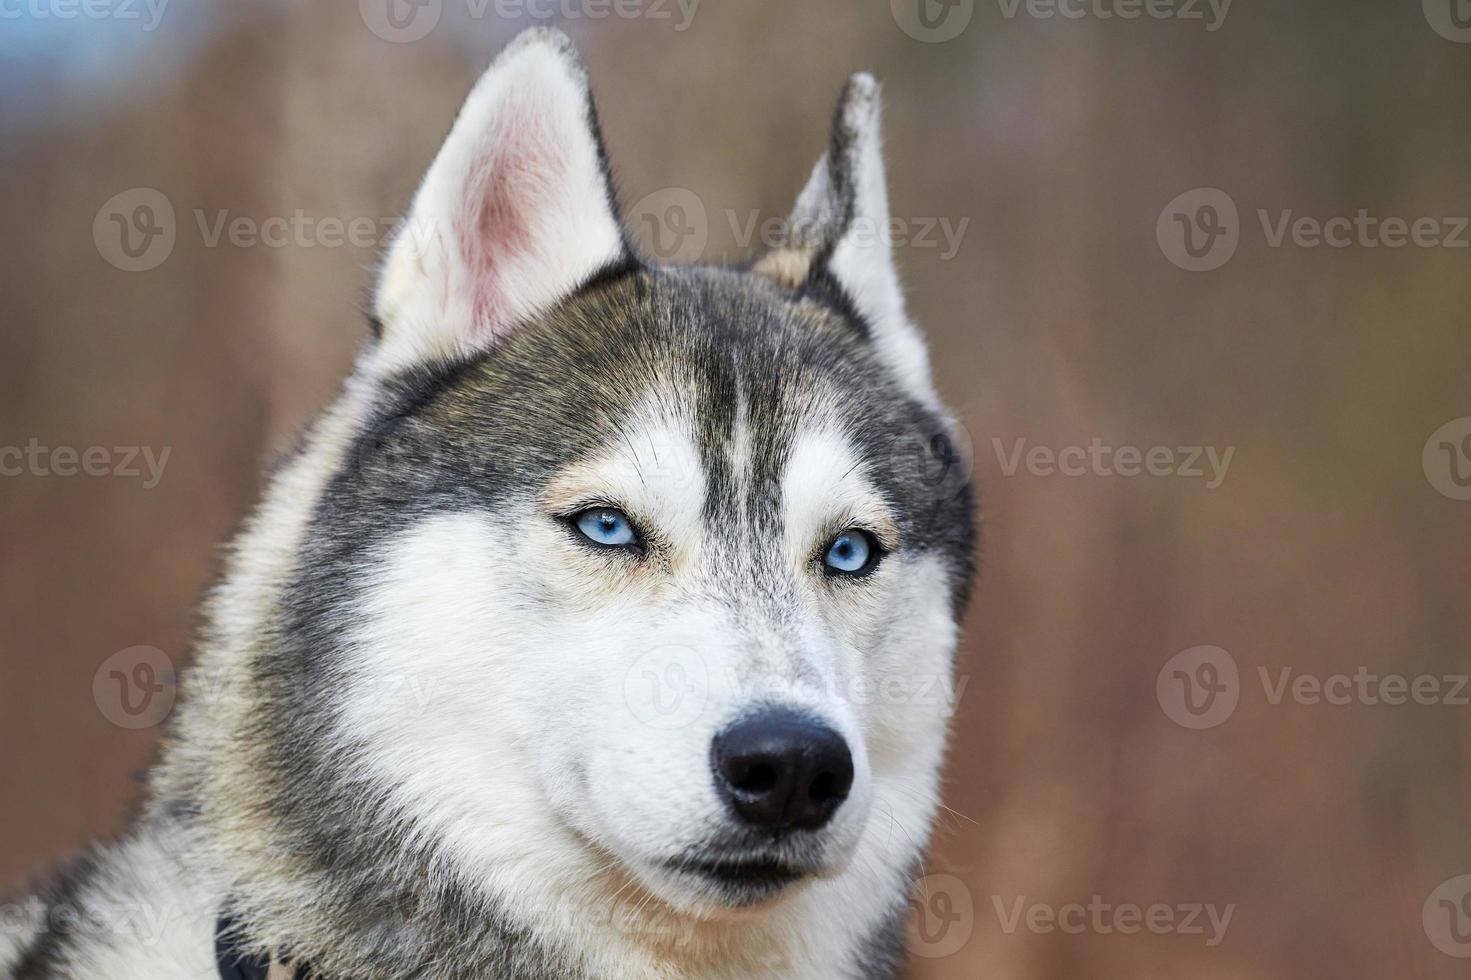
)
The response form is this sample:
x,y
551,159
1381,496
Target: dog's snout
x,y
780,770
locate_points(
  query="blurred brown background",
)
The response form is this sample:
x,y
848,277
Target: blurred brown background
x,y
1058,317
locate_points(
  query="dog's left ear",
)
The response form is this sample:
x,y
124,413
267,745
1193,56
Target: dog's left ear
x,y
838,236
514,214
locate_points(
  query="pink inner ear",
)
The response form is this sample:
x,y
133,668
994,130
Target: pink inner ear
x,y
508,193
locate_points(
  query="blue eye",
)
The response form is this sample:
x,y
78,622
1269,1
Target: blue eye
x,y
852,553
606,526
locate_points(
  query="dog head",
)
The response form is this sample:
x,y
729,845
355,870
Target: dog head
x,y
623,570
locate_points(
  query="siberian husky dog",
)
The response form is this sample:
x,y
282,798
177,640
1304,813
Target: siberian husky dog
x,y
603,626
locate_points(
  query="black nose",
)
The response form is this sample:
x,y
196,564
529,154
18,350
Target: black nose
x,y
780,770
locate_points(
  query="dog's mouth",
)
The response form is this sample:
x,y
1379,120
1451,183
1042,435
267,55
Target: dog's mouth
x,y
742,881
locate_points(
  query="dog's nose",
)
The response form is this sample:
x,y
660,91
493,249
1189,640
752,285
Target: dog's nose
x,y
780,770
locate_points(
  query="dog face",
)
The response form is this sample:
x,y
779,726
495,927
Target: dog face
x,y
644,573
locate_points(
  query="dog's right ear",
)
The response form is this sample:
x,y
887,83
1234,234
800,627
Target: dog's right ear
x,y
839,233
514,214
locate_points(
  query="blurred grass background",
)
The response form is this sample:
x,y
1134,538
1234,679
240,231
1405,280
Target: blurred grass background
x,y
1058,319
